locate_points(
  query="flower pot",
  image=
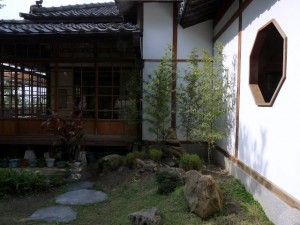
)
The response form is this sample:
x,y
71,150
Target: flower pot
x,y
61,164
33,163
23,163
50,162
41,162
13,163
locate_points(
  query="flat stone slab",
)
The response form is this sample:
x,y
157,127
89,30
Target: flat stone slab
x,y
81,197
54,214
80,185
289,216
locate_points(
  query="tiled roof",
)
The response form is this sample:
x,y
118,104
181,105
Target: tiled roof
x,y
21,27
95,10
192,12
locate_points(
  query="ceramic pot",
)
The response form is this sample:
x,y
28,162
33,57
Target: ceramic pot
x,y
50,162
61,164
33,163
13,163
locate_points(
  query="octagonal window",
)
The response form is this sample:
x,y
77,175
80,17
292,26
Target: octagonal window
x,y
268,64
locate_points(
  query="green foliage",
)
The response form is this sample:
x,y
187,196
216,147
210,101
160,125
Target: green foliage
x,y
111,165
167,182
69,131
191,162
157,97
204,101
131,156
155,154
189,96
23,182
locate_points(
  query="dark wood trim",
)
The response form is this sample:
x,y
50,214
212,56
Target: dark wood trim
x,y
238,90
174,78
281,194
221,12
175,60
238,13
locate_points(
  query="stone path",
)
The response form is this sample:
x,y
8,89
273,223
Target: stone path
x,y
78,194
81,197
54,214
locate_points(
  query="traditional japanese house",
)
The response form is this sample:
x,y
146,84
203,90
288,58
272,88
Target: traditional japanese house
x,y
60,56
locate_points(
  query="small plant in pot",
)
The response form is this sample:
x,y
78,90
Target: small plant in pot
x,y
69,132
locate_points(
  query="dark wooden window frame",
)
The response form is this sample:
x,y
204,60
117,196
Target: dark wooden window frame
x,y
24,91
268,63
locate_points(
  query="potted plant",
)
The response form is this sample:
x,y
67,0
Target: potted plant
x,y
69,132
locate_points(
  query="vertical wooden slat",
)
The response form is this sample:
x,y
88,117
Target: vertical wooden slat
x,y
174,78
239,63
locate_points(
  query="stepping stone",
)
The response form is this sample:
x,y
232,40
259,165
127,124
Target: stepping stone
x,y
54,214
81,197
80,185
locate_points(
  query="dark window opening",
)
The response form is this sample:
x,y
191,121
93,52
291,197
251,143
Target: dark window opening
x,y
267,64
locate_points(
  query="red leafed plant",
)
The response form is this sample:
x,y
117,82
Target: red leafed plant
x,y
68,130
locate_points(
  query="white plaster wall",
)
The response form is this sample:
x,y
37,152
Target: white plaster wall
x,y
268,136
195,37
158,33
230,41
158,28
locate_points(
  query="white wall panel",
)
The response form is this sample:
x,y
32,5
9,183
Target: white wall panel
x,y
158,29
198,36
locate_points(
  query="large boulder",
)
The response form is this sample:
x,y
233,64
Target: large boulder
x,y
145,165
145,217
109,163
202,193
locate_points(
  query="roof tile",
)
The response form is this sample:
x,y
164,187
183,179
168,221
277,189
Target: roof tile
x,y
38,28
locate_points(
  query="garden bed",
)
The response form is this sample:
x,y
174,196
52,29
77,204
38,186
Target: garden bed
x,y
130,191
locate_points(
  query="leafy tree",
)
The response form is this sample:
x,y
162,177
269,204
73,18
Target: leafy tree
x,y
214,87
157,97
203,101
188,96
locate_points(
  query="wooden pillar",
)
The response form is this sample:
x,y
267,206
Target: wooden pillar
x,y
174,77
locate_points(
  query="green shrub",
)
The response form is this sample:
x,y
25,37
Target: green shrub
x,y
111,165
191,162
167,182
155,154
23,182
131,156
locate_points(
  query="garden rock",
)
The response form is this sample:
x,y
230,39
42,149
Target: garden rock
x,y
54,214
179,172
172,138
147,165
81,197
109,163
202,193
146,217
172,149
